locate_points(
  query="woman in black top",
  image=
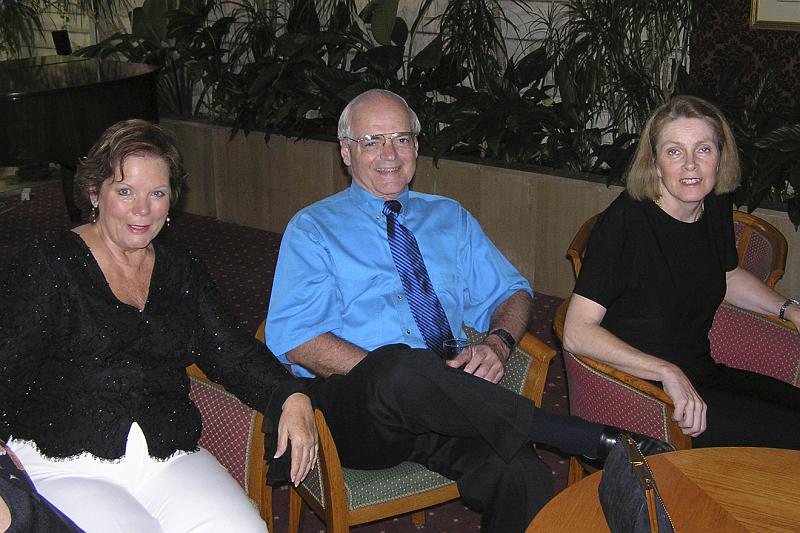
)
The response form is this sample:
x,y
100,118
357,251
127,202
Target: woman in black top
x,y
98,326
659,262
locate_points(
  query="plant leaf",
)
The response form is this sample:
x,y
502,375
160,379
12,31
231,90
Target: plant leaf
x,y
383,20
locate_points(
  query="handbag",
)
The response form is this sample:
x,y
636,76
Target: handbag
x,y
30,511
628,493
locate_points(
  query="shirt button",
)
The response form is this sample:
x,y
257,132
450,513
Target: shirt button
x,y
408,332
399,296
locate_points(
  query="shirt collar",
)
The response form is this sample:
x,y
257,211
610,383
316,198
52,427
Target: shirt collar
x,y
373,205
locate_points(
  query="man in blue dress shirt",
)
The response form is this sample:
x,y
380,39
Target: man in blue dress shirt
x,y
338,313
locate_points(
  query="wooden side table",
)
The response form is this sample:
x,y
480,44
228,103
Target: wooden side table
x,y
710,489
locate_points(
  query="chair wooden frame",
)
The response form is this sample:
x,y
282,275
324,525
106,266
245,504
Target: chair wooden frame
x,y
336,514
257,489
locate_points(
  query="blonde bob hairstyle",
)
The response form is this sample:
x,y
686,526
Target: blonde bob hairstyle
x,y
642,180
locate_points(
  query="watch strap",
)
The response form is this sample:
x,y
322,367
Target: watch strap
x,y
785,306
504,336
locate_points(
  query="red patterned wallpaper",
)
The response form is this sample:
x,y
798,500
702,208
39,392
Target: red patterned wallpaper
x,y
724,37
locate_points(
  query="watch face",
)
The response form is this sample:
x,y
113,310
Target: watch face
x,y
505,336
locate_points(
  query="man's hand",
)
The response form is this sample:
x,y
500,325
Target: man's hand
x,y
486,361
297,425
690,409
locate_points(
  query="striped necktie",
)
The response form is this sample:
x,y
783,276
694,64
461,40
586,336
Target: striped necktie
x,y
425,305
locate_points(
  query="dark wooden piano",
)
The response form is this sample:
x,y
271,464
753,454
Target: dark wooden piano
x,y
52,109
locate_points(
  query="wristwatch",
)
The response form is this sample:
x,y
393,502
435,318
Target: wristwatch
x,y
785,306
504,336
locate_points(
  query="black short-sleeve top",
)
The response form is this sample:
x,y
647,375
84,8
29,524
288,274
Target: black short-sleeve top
x,y
660,279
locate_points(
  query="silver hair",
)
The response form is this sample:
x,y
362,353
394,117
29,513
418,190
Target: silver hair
x,y
346,118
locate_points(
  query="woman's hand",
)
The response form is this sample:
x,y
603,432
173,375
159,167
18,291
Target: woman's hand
x,y
690,409
297,425
583,334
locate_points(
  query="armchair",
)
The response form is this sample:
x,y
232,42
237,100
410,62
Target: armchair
x,y
604,394
345,497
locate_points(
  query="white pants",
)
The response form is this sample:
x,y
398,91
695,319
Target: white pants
x,y
138,494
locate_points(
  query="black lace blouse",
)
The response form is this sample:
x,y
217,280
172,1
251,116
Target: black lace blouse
x,y
77,366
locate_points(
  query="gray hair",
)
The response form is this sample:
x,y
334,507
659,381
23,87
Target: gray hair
x,y
346,118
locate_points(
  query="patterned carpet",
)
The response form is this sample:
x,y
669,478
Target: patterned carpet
x,y
242,260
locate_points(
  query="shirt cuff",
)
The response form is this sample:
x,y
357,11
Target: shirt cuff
x,y
279,468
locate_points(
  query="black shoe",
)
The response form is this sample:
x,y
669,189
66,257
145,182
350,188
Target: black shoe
x,y
610,436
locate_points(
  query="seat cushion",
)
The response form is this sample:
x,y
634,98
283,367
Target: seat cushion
x,y
369,487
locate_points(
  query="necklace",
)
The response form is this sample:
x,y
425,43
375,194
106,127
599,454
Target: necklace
x,y
699,215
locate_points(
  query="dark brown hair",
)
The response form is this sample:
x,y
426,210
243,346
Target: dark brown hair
x,y
130,138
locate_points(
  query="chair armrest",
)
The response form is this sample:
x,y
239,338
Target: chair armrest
x,y
641,385
536,349
330,469
540,354
610,393
596,380
232,433
736,333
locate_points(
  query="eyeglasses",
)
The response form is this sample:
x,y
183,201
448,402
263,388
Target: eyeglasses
x,y
402,140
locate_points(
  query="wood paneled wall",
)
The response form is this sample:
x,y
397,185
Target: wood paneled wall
x,y
531,217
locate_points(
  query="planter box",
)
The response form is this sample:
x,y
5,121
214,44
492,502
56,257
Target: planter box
x,y
530,216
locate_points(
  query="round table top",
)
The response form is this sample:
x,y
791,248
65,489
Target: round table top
x,y
709,489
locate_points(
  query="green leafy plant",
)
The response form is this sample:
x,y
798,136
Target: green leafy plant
x,y
576,100
21,21
187,39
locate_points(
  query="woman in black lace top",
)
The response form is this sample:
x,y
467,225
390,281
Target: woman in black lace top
x,y
98,326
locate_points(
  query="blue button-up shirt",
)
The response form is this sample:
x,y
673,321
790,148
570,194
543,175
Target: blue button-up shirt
x,y
336,274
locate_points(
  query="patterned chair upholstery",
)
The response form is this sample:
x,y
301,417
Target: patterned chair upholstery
x,y
760,246
603,394
232,433
737,334
344,497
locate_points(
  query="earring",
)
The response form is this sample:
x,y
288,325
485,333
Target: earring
x,y
95,212
167,220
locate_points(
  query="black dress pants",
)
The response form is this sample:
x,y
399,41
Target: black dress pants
x,y
401,404
749,409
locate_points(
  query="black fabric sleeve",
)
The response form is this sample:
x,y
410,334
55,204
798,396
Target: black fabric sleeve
x,y
234,358
29,303
606,259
